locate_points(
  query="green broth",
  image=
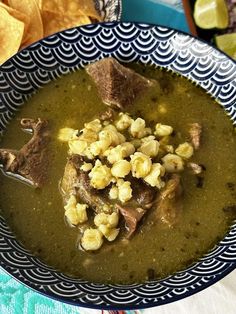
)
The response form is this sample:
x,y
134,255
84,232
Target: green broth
x,y
37,216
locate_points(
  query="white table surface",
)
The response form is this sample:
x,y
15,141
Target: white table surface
x,y
217,299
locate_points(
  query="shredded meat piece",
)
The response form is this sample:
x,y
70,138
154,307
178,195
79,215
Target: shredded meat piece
x,y
117,85
196,169
69,181
170,201
195,134
31,161
132,216
108,115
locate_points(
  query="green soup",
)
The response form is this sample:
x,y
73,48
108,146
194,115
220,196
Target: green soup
x,y
37,215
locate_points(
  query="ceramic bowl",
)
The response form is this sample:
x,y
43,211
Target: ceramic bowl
x,y
67,51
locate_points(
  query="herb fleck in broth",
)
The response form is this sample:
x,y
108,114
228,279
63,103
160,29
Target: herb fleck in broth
x,y
36,216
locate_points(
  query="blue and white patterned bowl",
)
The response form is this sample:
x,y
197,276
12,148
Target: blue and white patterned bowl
x,y
67,51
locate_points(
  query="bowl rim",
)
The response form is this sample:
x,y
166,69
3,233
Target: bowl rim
x,y
120,307
137,306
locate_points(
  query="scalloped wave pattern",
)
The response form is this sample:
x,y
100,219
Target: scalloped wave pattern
x,y
59,54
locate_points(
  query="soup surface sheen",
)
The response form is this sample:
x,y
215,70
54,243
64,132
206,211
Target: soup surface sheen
x,y
36,215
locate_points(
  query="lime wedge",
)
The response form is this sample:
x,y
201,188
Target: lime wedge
x,y
211,14
227,43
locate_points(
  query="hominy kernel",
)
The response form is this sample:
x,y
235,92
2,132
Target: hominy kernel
x,y
140,165
173,163
163,130
185,150
121,168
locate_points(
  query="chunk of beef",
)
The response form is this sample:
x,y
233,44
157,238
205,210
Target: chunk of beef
x,y
143,194
195,134
91,196
31,161
143,199
170,201
118,86
132,216
69,181
77,182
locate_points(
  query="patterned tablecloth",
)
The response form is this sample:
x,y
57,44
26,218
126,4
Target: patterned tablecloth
x,y
16,298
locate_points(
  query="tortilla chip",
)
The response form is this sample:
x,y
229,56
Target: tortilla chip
x,y
31,9
39,3
25,41
87,7
54,22
19,16
9,44
71,7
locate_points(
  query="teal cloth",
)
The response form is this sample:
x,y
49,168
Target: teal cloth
x,y
16,298
156,12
